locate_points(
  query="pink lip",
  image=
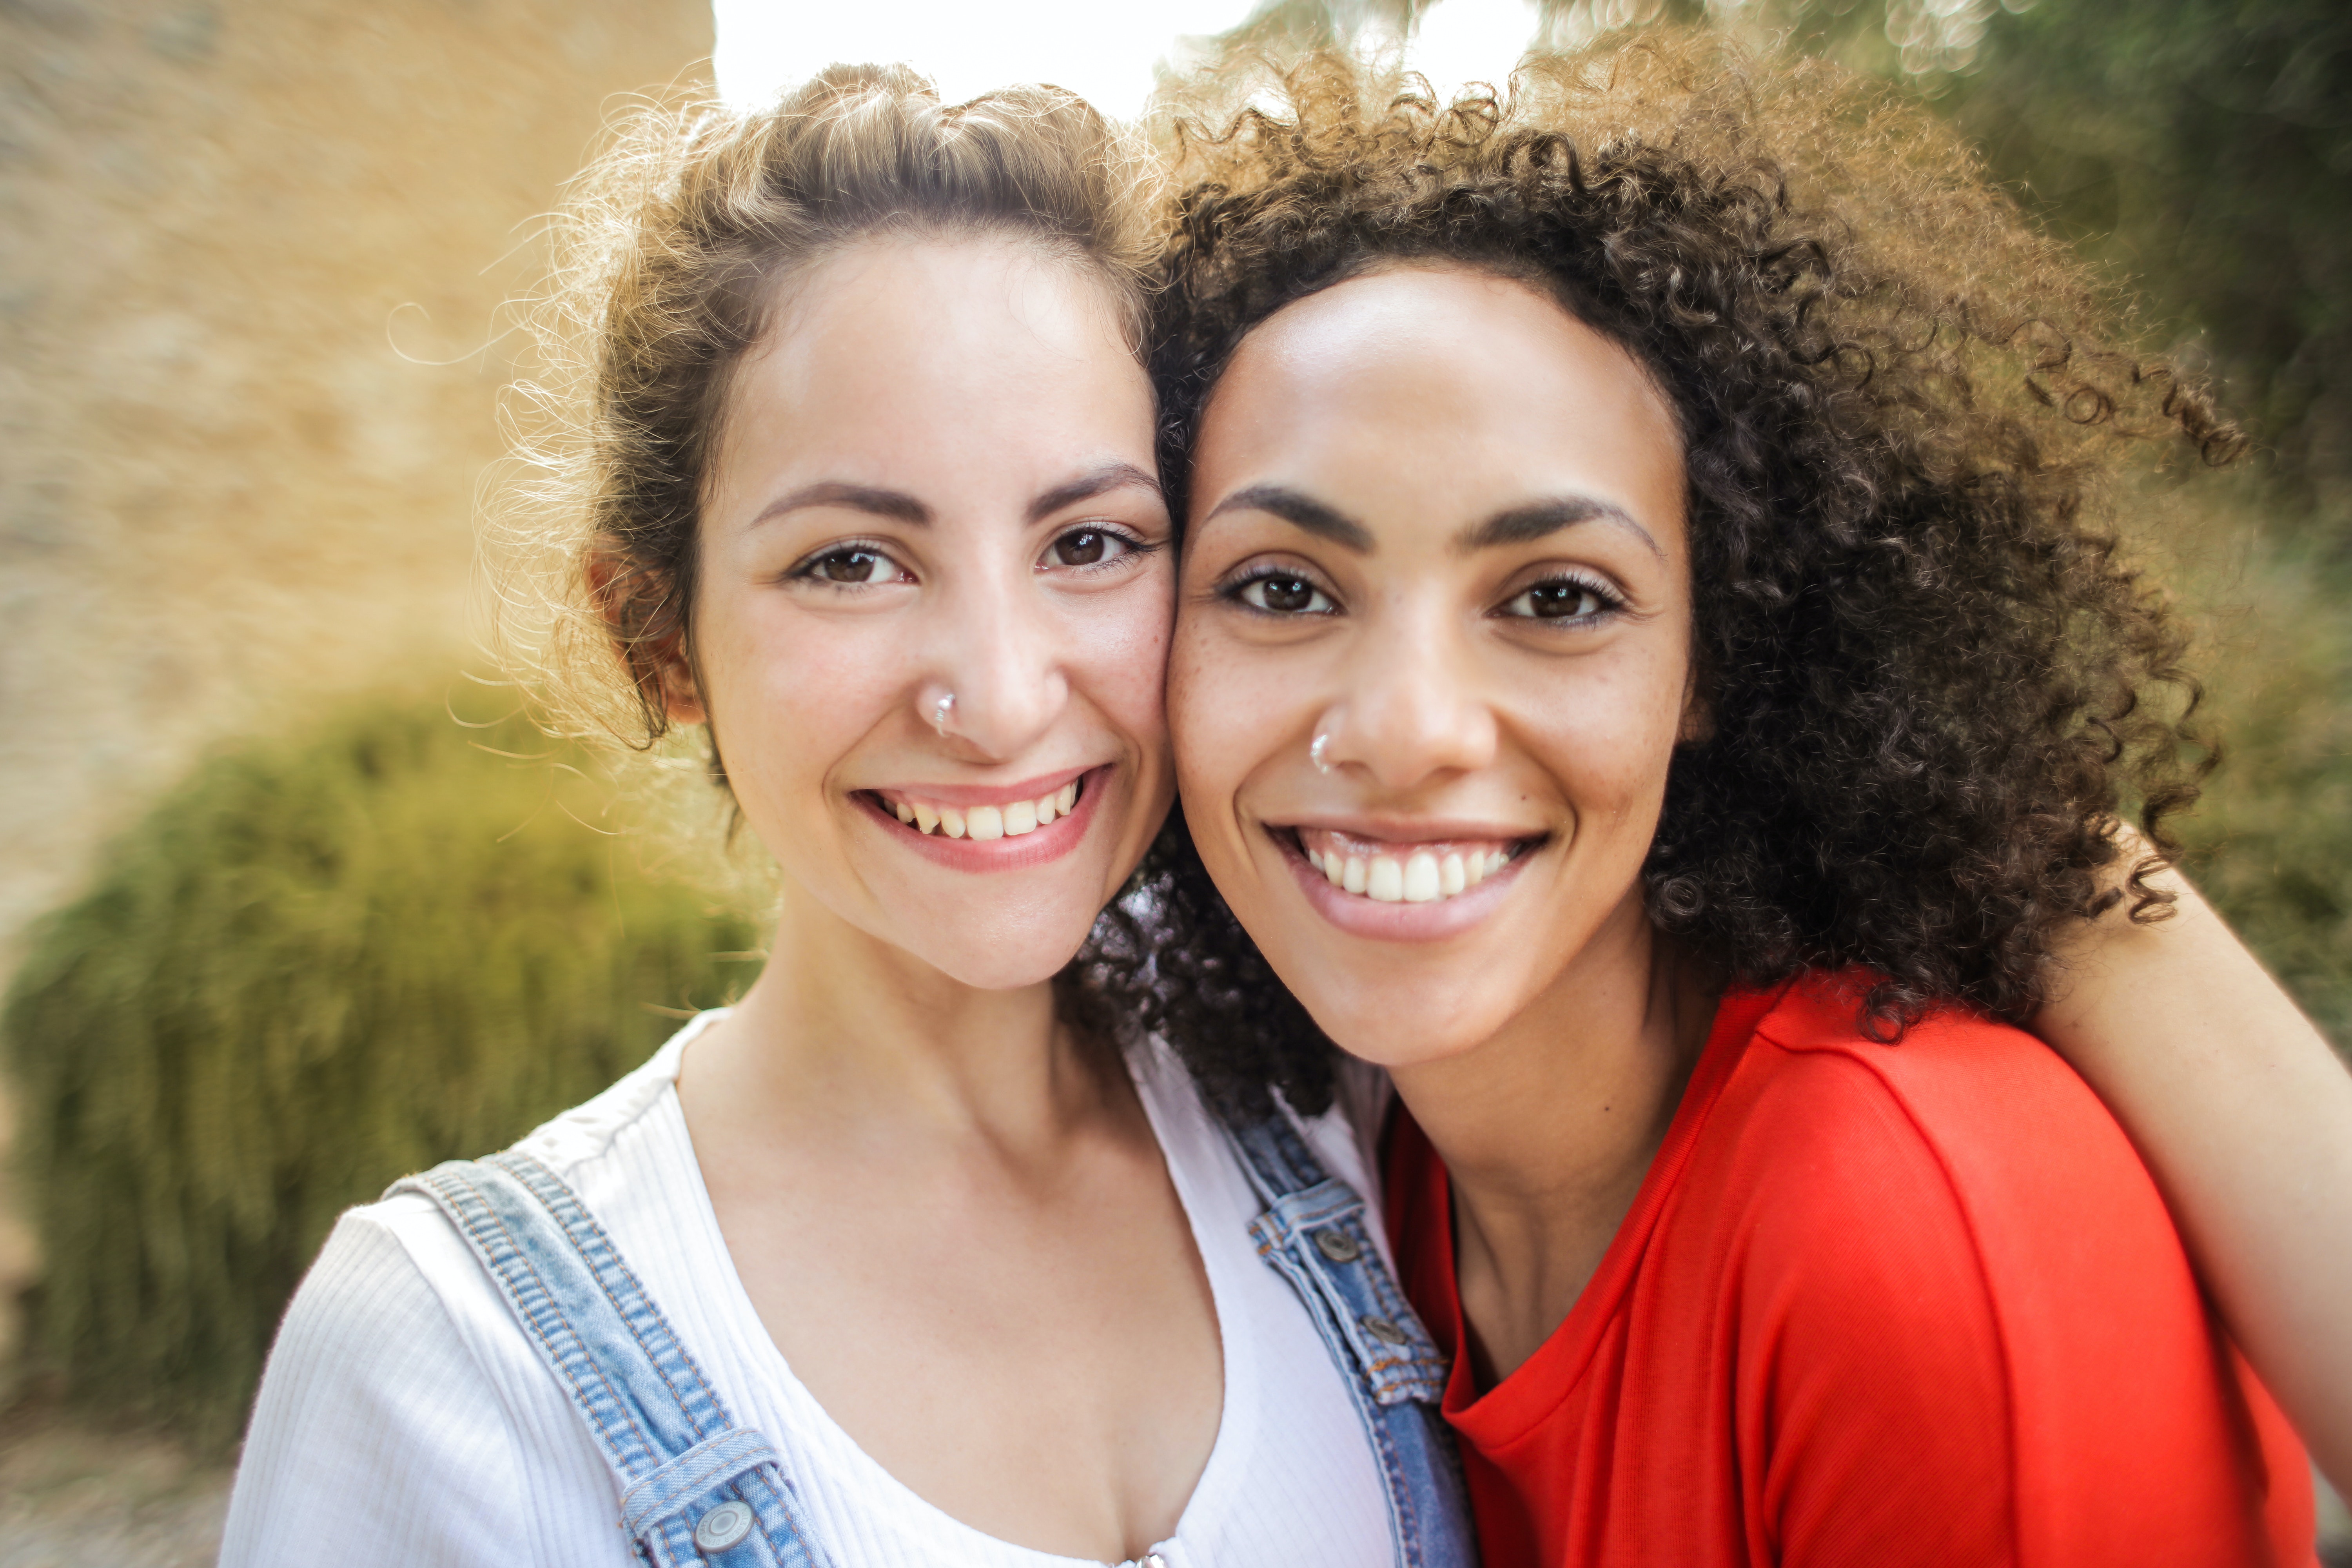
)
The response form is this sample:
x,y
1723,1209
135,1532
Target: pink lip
x,y
1051,842
1359,916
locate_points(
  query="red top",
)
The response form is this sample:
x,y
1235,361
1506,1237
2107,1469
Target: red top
x,y
1874,1304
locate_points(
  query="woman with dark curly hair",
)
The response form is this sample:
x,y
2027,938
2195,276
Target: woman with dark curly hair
x,y
1652,673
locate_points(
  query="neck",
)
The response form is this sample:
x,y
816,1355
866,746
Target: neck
x,y
1548,1128
849,1032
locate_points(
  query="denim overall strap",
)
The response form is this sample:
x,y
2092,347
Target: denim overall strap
x,y
1313,1234
695,1489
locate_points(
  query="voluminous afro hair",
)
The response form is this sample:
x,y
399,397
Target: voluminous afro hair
x,y
1936,687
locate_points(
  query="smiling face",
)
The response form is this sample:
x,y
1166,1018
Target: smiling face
x,y
936,478
1437,539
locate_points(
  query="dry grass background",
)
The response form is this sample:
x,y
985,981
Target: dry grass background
x,y
251,256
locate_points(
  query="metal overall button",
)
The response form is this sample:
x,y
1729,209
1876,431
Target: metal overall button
x,y
1382,1328
723,1526
1338,1246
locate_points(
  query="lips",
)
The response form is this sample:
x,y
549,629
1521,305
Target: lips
x,y
985,828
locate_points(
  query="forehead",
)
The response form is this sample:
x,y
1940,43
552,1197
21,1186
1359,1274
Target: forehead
x,y
957,347
1418,389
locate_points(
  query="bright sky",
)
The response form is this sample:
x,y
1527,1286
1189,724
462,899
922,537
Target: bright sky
x,y
1103,49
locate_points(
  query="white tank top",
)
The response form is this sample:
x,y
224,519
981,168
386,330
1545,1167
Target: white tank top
x,y
405,1418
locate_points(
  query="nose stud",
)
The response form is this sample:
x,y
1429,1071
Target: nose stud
x,y
1321,744
943,710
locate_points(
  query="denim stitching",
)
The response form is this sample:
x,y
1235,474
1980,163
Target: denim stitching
x,y
518,1255
588,1222
1391,1385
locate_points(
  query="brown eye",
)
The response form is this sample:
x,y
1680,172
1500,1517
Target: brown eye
x,y
1560,601
852,566
1083,547
1283,594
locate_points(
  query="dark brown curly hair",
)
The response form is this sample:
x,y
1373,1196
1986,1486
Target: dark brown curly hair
x,y
1936,687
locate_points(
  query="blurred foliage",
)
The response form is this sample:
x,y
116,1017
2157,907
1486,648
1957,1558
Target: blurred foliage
x,y
2202,150
2272,842
319,964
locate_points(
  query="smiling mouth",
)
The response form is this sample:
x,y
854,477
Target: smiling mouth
x,y
1386,872
1005,819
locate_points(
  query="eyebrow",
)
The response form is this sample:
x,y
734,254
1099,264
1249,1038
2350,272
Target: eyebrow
x,y
896,505
900,507
1538,519
1086,486
1300,511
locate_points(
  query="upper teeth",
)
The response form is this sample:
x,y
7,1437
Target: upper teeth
x,y
1009,819
1415,877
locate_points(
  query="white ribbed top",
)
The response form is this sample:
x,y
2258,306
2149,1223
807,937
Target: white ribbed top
x,y
406,1420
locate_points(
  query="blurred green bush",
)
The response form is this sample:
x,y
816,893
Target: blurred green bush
x,y
320,963
2271,843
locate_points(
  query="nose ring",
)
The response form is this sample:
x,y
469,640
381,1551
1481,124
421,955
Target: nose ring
x,y
1321,743
942,711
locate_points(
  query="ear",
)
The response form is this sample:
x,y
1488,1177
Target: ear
x,y
648,631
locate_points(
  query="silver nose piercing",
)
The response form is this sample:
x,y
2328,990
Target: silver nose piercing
x,y
1321,743
943,710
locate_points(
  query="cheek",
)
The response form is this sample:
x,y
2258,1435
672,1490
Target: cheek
x,y
1611,736
1225,709
1121,660
789,694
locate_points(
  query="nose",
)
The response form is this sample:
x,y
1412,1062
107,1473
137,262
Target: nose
x,y
994,644
1409,711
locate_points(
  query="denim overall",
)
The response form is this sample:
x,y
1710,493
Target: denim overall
x,y
695,1489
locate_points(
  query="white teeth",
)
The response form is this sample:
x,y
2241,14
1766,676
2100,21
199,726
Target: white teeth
x,y
1010,820
1420,879
1409,877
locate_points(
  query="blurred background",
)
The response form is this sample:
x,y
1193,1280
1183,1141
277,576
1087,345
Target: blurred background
x,y
276,924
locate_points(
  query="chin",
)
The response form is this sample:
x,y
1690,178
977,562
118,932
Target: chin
x,y
1397,1026
1008,960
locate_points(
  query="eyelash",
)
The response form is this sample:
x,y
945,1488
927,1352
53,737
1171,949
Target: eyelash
x,y
808,570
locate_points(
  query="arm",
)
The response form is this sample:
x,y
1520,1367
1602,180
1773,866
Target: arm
x,y
2244,1116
